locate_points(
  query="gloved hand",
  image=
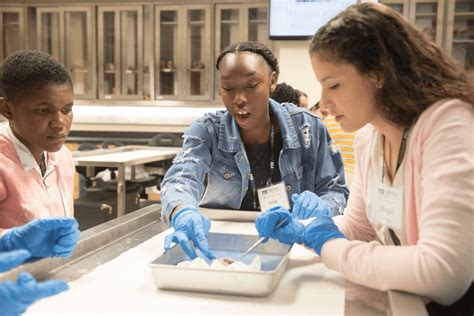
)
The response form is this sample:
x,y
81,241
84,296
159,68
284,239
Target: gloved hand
x,y
320,230
189,224
10,259
289,233
16,297
308,204
49,237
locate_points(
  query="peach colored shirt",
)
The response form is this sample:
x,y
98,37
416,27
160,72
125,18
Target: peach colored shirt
x,y
438,196
24,193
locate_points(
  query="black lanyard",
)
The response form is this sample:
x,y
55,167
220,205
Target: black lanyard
x,y
272,168
401,154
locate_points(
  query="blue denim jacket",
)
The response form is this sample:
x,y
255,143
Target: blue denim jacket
x,y
212,146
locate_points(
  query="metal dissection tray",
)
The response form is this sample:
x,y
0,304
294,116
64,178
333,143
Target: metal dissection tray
x,y
274,256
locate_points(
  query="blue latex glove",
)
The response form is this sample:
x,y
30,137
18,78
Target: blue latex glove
x,y
50,237
11,259
188,225
289,233
320,230
16,297
308,204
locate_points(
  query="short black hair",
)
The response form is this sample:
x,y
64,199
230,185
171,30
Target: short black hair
x,y
27,69
252,47
285,93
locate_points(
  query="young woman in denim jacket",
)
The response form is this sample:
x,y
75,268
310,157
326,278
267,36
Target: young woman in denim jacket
x,y
230,146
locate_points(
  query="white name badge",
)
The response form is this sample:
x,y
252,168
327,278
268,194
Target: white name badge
x,y
387,206
274,195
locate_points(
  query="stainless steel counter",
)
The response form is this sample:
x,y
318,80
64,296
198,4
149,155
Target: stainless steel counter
x,y
105,242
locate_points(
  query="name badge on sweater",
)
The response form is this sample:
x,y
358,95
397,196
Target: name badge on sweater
x,y
387,206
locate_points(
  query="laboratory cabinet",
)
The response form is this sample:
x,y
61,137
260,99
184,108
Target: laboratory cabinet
x,y
12,33
155,52
460,33
426,14
183,60
239,22
449,22
66,33
120,52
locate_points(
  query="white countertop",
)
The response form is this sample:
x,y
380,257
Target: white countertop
x,y
125,286
136,118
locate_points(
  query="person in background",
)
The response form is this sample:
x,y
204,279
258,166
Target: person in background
x,y
408,222
302,99
343,141
284,93
40,238
256,142
36,169
316,110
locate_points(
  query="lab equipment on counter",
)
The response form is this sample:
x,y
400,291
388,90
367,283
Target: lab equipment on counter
x,y
274,257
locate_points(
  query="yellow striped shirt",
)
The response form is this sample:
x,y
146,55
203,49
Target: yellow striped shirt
x,y
344,143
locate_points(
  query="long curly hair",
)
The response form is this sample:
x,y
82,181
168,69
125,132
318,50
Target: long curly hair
x,y
415,72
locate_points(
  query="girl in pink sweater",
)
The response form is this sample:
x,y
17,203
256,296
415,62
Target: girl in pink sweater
x,y
36,169
408,224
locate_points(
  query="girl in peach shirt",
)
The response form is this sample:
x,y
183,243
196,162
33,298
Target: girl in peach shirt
x,y
408,224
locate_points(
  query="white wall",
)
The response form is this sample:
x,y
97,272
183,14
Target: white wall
x,y
295,68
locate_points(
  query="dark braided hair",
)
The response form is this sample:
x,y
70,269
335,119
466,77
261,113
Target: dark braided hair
x,y
252,47
27,69
377,40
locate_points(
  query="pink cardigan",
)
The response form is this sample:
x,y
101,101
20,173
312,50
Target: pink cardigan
x,y
439,212
24,196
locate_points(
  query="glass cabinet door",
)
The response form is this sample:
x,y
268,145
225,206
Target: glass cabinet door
x,y
182,72
48,32
198,59
428,15
12,35
166,53
78,51
258,25
460,34
229,26
401,6
120,50
237,23
66,34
